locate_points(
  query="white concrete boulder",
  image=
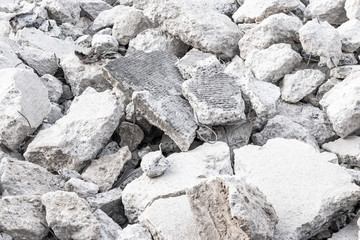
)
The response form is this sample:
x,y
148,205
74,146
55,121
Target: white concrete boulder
x,y
78,136
304,198
24,104
331,11
350,35
341,105
347,150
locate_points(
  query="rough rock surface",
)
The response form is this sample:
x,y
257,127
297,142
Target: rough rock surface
x,y
108,228
8,57
343,71
331,11
54,87
24,104
343,111
273,63
347,150
78,136
350,36
82,188
107,18
92,8
154,164
352,9
69,216
63,10
293,183
134,232
131,135
215,99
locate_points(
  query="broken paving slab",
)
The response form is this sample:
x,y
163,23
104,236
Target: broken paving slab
x,y
215,99
304,198
154,83
186,169
78,136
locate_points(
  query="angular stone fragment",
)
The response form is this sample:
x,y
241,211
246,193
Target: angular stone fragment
x,y
204,161
21,217
82,188
273,63
296,86
331,11
351,231
24,178
196,63
196,25
107,18
154,164
8,57
104,42
257,10
352,8
215,99
278,28
63,11
92,8
350,35
23,105
158,81
343,112
78,136
347,149
131,135
344,71
134,232
310,117
110,148
54,87
321,39
69,216
325,87
304,198
153,39
108,228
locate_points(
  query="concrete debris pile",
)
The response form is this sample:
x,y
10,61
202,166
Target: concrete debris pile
x,y
179,120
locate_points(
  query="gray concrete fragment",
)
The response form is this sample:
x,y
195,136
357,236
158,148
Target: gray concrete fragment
x,y
110,148
63,10
350,35
108,228
92,8
82,188
325,87
344,71
131,135
134,232
331,11
154,164
54,87
104,42
107,18
347,150
8,57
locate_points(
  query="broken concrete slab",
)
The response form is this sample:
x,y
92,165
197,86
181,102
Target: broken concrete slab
x,y
273,63
69,216
134,232
215,99
79,135
108,228
82,188
331,11
293,183
204,161
22,217
24,104
157,86
350,36
343,111
347,150
106,170
154,164
131,135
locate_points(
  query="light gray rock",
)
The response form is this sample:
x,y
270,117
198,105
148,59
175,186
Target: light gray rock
x,y
24,178
92,8
331,11
21,217
257,10
321,39
227,7
131,135
196,63
84,41
347,150
69,216
350,35
352,9
8,57
107,18
196,25
134,232
278,28
110,148
343,71
81,76
204,161
215,99
235,136
106,170
108,228
104,42
55,114
153,39
82,188
343,111
325,87
348,232
293,182
295,87
78,136
273,63
24,104
154,164
54,87
4,236
154,84
63,10
67,174
348,59
263,96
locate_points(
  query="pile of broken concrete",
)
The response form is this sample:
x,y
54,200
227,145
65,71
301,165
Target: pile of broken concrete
x,y
167,119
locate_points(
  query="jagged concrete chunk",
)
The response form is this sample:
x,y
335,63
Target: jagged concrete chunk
x,y
104,42
331,11
24,178
196,25
93,8
196,63
54,87
131,135
8,57
153,39
108,228
134,232
110,148
304,198
347,149
82,188
78,136
24,104
21,217
295,87
343,112
325,87
206,160
69,216
154,164
107,18
63,11
321,39
158,81
352,9
257,10
344,71
215,99
310,117
273,63
105,171
278,28
351,231
350,35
